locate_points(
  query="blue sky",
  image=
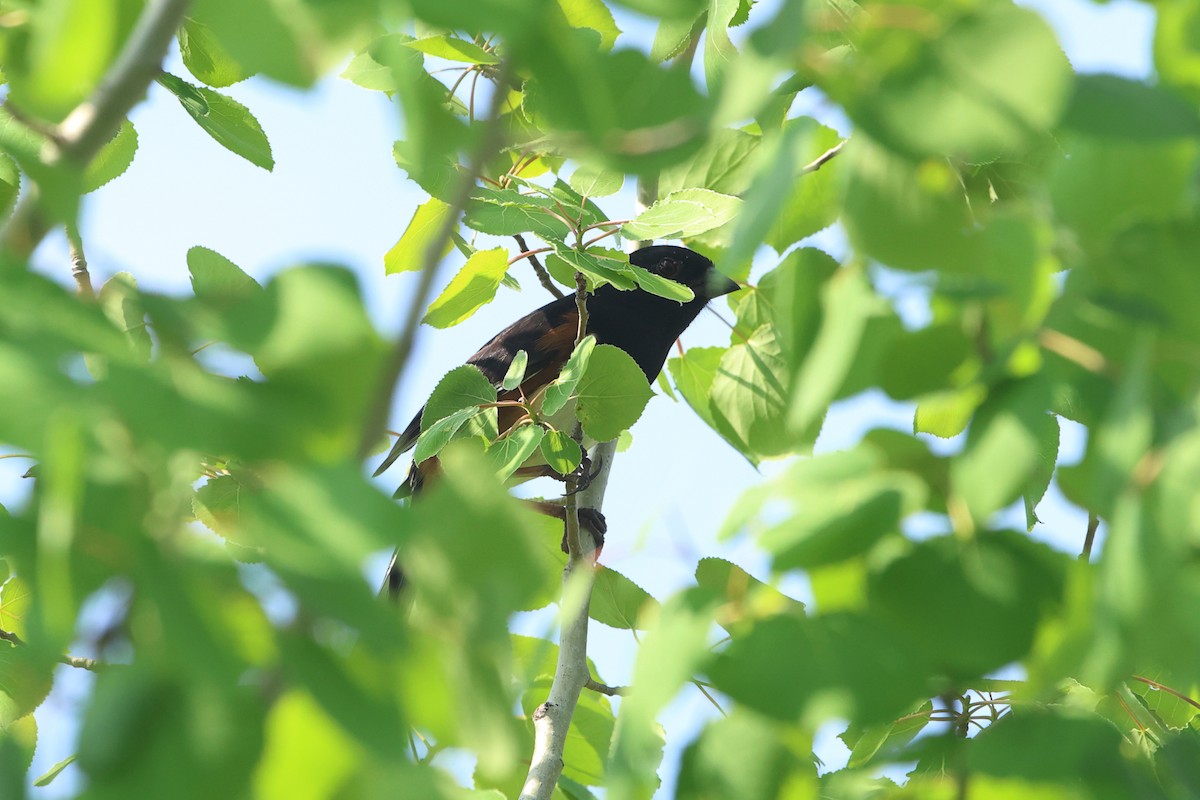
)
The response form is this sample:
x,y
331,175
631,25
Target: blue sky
x,y
336,195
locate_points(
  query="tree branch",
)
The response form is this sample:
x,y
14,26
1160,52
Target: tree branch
x,y
397,360
93,122
538,269
1090,537
552,719
79,267
824,158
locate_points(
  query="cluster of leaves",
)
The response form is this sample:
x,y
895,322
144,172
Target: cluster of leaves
x,y
1051,216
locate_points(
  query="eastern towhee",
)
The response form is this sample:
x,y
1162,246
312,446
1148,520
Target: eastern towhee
x,y
642,324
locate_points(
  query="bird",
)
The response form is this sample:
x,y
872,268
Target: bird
x,y
642,324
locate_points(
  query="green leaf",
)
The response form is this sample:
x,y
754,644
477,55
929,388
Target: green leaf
x,y
658,285
561,452
970,607
216,278
261,37
619,602
224,119
462,388
10,183
745,755
978,84
1002,451
119,299
1047,434
507,212
746,598
593,14
674,649
923,361
560,391
597,266
206,58
474,286
612,393
725,164
836,664
612,106
865,744
408,254
694,373
49,775
112,160
452,48
592,181
946,414
516,371
26,676
511,451
1107,185
305,751
748,398
907,215
683,214
15,599
813,203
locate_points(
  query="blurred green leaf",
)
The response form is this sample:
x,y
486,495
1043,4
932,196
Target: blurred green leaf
x,y
118,297
49,775
812,204
744,755
977,82
593,14
973,607
206,58
462,388
305,751
259,36
10,184
747,599
923,361
217,279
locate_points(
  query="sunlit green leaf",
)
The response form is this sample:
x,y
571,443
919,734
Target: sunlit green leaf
x,y
473,286
612,393
206,58
224,119
112,160
561,389
409,253
683,214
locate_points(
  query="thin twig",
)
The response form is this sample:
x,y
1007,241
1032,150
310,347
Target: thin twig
x,y
1090,538
79,662
611,691
397,361
79,267
824,158
9,636
1168,690
542,275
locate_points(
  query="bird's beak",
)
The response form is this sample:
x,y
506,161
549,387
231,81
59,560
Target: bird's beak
x,y
718,285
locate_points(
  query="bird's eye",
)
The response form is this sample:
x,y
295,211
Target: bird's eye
x,y
669,268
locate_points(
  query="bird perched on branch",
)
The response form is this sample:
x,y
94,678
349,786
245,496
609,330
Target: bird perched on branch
x,y
642,324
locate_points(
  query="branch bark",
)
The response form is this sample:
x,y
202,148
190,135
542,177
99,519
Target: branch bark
x,y
552,719
397,360
94,121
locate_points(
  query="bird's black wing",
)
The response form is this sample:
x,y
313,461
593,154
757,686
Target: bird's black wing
x,y
547,336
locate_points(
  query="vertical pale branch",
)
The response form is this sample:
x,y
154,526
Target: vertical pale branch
x,y
79,267
552,719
